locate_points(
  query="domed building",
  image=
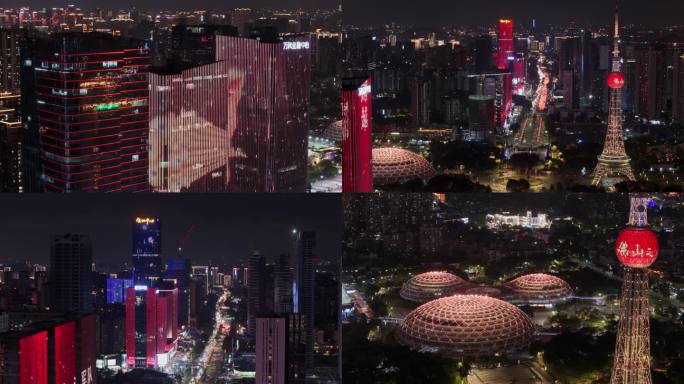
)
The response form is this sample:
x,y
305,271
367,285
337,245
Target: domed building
x,y
395,165
538,289
466,325
431,285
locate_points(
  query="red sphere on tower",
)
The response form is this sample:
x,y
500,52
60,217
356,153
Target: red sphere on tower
x,y
637,247
616,80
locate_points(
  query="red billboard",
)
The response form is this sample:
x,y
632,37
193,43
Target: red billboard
x,y
65,353
130,327
357,132
33,359
151,327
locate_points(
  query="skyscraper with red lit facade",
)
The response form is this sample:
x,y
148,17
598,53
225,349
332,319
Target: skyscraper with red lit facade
x,y
239,124
504,59
151,325
86,122
357,135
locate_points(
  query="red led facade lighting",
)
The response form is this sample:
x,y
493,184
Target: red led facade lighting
x,y
269,145
505,38
637,247
539,288
357,135
33,359
432,285
87,330
162,323
193,122
130,327
92,106
65,353
395,165
151,329
465,326
616,80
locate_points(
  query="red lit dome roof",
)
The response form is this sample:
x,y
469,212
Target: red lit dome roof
x,y
431,285
539,287
395,165
466,325
334,131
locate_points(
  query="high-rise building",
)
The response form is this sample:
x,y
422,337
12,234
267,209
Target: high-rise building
x,y
272,349
151,326
71,260
10,41
678,87
116,289
357,135
11,176
303,285
146,250
239,124
84,99
649,87
484,49
282,301
241,19
179,270
481,118
504,60
256,295
271,138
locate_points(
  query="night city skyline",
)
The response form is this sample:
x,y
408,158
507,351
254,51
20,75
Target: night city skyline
x,y
436,13
227,228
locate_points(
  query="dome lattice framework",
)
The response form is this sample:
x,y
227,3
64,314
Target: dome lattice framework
x,y
395,165
432,285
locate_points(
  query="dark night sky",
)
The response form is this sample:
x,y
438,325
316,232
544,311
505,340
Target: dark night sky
x,y
228,226
486,12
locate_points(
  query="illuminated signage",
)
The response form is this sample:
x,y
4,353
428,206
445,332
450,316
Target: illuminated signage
x,y
364,90
144,220
87,376
296,45
637,248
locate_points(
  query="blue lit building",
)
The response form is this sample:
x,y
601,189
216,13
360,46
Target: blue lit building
x,y
147,263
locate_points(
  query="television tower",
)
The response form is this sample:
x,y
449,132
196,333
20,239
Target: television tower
x,y
613,161
636,248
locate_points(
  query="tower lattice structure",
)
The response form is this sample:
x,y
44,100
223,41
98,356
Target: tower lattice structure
x,y
632,359
613,161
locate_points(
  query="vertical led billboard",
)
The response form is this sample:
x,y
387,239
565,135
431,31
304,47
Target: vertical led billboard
x,y
65,353
87,349
33,359
357,131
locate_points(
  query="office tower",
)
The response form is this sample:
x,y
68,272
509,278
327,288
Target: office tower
x,y
505,57
193,117
678,87
147,261
10,39
179,270
484,49
256,295
11,176
150,326
303,285
649,90
71,260
271,135
282,301
239,124
568,79
272,349
614,160
637,248
201,273
481,118
357,135
241,18
84,98
505,40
